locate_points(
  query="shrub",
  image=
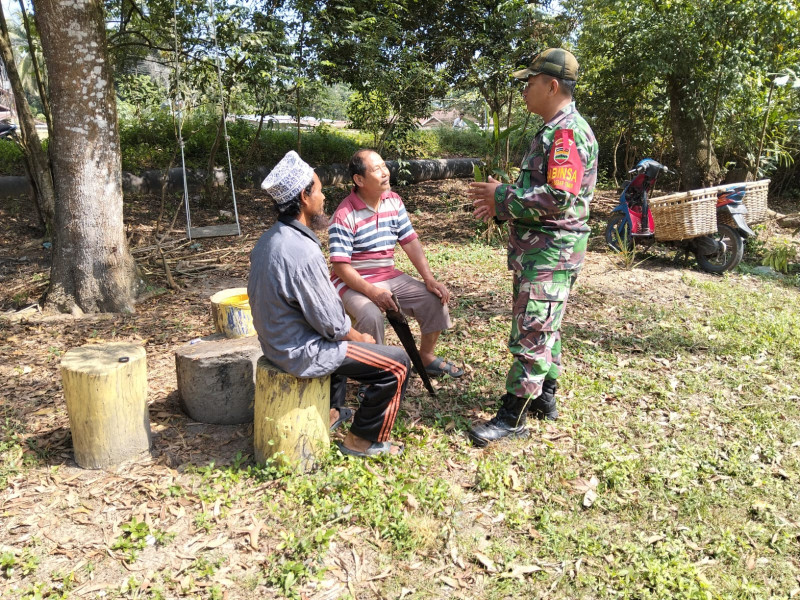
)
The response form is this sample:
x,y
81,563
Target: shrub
x,y
460,142
11,161
149,143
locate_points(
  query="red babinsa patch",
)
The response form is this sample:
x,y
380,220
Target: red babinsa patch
x,y
565,170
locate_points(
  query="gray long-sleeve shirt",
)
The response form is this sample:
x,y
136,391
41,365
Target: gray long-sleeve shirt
x,y
297,314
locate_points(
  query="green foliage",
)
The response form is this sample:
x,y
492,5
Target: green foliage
x,y
11,159
26,563
383,49
136,536
331,102
151,143
7,562
781,256
460,142
483,42
14,457
369,112
648,69
138,94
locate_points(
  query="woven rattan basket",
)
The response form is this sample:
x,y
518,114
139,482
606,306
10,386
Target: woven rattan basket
x,y
685,215
755,199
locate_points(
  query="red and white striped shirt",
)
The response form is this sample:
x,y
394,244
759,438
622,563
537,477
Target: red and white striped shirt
x,y
366,238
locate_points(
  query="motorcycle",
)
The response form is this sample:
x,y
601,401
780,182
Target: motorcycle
x,y
8,131
632,222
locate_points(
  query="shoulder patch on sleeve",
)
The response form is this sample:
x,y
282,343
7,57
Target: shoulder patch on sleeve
x,y
564,166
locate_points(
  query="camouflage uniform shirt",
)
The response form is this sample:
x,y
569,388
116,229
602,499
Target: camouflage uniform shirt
x,y
547,207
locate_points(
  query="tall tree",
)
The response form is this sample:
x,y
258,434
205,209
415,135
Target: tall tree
x,y
386,46
483,41
36,161
696,54
92,268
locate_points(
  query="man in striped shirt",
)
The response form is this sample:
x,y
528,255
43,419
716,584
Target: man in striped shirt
x,y
362,236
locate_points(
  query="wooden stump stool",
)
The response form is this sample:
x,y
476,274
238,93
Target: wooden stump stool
x,y
105,386
291,417
216,379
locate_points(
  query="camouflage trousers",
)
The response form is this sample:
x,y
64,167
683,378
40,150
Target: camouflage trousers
x,y
540,299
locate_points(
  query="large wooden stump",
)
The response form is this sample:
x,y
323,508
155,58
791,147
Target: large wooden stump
x,y
105,386
216,379
291,417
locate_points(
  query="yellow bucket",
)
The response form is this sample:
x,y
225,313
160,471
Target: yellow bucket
x,y
233,317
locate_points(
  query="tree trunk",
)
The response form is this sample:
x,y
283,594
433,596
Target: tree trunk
x,y
36,71
210,183
92,269
699,165
36,161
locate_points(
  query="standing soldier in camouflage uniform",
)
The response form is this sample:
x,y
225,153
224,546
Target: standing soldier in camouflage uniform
x,y
546,209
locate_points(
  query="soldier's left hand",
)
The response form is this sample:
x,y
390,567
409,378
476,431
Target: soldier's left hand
x,y
482,195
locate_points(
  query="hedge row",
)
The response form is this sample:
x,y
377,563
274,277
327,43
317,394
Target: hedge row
x,y
150,143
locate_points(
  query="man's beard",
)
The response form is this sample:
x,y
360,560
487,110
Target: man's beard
x,y
319,222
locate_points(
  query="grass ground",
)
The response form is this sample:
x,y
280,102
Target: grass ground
x,y
672,473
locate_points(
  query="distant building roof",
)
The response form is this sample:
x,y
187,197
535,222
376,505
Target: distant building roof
x,y
439,118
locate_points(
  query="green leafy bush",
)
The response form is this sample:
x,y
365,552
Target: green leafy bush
x,y
781,256
369,112
11,161
150,143
460,142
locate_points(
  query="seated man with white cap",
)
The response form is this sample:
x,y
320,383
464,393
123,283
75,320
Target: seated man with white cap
x,y
301,322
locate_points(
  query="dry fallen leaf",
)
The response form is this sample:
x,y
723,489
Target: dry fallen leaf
x,y
411,502
449,581
253,533
519,571
487,562
514,476
589,497
581,486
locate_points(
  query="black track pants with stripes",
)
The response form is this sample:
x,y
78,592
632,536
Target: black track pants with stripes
x,y
385,370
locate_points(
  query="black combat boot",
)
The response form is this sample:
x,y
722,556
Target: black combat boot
x,y
508,422
544,405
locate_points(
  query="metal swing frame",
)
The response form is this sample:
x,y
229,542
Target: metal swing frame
x,y
177,108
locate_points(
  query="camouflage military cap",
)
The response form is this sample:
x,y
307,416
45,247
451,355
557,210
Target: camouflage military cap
x,y
555,62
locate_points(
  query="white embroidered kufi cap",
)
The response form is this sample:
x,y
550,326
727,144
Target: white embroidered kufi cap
x,y
288,178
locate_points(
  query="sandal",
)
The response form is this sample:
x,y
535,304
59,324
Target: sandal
x,y
345,414
375,449
361,393
439,367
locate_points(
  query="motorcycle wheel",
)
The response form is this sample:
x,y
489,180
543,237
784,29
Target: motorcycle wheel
x,y
618,233
727,259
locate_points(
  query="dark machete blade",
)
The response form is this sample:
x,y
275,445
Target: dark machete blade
x,y
400,325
